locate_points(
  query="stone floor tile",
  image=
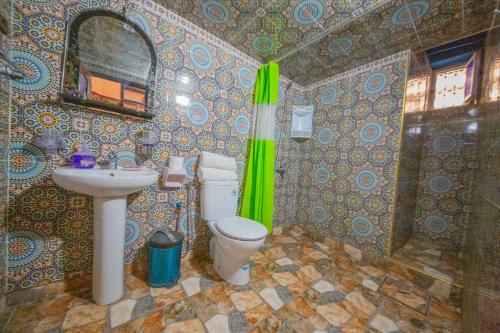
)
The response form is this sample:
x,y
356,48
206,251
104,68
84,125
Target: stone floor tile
x,y
353,252
335,314
191,285
360,303
321,246
168,299
407,293
384,324
317,255
237,322
122,312
285,278
245,300
373,271
311,272
270,296
323,286
155,292
48,324
257,314
84,314
284,261
297,285
95,327
218,324
275,253
188,326
370,284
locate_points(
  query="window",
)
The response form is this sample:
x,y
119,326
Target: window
x,y
109,91
495,83
450,87
416,94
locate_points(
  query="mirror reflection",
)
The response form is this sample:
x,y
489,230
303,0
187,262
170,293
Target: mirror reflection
x,y
109,65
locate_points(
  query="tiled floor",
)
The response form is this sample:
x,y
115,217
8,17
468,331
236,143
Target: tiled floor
x,y
429,257
297,285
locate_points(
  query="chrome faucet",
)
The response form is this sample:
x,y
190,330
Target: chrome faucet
x,y
112,160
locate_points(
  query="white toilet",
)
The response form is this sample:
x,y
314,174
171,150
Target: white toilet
x,y
235,238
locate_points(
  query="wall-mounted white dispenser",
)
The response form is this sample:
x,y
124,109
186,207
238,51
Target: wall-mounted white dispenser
x,y
302,118
175,174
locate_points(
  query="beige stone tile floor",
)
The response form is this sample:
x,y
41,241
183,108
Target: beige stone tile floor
x,y
297,285
430,257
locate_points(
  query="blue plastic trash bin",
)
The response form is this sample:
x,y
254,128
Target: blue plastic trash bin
x,y
164,258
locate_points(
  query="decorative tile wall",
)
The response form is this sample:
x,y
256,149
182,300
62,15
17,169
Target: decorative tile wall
x,y
5,6
448,166
481,311
50,229
482,246
348,171
340,35
287,157
407,189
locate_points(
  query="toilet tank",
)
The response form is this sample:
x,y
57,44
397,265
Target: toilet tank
x,y
218,199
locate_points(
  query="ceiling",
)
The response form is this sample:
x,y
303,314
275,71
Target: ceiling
x,y
316,39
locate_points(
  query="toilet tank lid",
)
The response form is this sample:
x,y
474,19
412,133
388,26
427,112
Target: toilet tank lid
x,y
241,228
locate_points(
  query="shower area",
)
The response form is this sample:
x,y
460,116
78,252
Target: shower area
x,y
447,197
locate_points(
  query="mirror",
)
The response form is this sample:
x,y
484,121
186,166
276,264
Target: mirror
x,y
109,64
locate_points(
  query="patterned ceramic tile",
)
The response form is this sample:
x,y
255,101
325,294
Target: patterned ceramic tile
x,y
5,7
349,170
344,34
332,302
447,168
51,229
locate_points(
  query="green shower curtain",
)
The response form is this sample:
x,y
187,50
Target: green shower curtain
x,y
258,186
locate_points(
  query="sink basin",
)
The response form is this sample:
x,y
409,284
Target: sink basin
x,y
110,188
104,182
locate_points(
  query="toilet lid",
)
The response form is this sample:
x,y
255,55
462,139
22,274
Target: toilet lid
x,y
241,228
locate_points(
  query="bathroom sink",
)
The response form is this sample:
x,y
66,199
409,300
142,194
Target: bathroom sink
x,y
105,183
110,188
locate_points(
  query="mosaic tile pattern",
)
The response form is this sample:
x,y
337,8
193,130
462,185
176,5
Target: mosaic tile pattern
x,y
415,24
4,139
349,168
265,29
407,189
345,34
297,285
448,166
482,248
50,228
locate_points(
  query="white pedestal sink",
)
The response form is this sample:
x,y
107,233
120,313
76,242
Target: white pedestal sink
x,y
109,188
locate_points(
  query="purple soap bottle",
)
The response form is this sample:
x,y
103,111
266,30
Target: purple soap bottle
x,y
83,158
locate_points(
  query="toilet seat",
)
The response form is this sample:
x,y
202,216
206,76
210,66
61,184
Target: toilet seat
x,y
240,228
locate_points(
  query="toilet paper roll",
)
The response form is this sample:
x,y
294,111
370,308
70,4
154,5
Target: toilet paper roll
x,y
176,163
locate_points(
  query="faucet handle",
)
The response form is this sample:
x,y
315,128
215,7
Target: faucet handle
x,y
112,154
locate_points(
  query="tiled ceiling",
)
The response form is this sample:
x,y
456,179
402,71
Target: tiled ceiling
x,y
316,39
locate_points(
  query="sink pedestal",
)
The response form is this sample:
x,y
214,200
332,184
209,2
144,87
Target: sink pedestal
x,y
110,188
109,246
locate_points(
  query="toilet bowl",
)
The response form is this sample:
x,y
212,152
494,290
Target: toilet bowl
x,y
232,251
234,238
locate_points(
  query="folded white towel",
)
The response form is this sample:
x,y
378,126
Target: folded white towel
x,y
215,174
216,161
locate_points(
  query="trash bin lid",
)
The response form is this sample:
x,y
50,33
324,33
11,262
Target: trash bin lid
x,y
166,239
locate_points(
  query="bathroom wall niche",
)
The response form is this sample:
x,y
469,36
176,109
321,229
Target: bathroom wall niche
x,y
109,64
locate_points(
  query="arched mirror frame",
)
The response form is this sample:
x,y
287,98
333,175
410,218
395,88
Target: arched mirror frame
x,y
72,30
